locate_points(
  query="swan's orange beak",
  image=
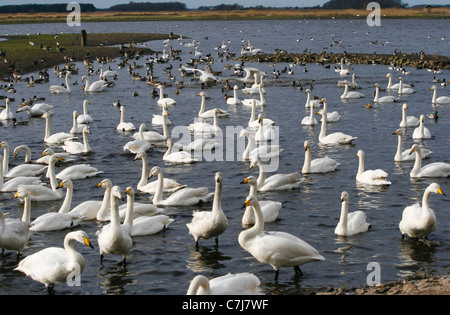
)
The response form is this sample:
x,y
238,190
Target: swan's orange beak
x,y
441,192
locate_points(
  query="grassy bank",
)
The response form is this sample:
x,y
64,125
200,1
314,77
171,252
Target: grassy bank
x,y
106,16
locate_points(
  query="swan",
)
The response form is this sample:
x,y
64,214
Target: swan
x,y
342,71
265,132
178,157
140,144
85,118
270,209
37,110
58,89
421,132
75,147
354,85
14,233
254,123
199,144
107,74
319,165
254,89
210,224
63,157
263,152
439,100
261,102
115,238
56,138
309,101
183,197
152,136
350,223
403,156
404,90
334,116
419,221
79,171
310,120
55,221
277,181
204,127
351,94
209,113
370,177
250,74
278,249
335,137
234,100
396,86
96,86
76,128
229,284
89,209
25,169
6,113
54,265
124,126
159,119
436,169
205,77
13,184
162,101
383,99
408,121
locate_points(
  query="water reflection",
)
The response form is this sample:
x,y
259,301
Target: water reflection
x,y
206,258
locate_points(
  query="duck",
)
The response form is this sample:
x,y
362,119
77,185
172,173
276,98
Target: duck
x,y
421,132
351,94
335,137
350,223
278,249
162,101
439,100
6,113
408,121
333,116
54,265
56,138
234,100
85,118
436,169
419,221
211,112
383,99
124,126
310,120
75,147
404,155
178,157
230,284
59,89
25,169
319,165
370,177
184,197
210,224
14,183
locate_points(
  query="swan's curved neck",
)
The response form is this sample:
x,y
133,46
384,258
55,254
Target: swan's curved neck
x,y
157,198
308,99
425,202
361,164
169,149
87,147
345,91
217,202
72,254
398,154
122,114
261,95
377,94
52,175
85,112
256,229
65,207
144,174
250,146
252,114
344,216
161,92
67,83
323,126
165,128
26,209
105,206
129,214
115,218
307,164
47,128
417,162
202,106
199,282
262,175
5,159
434,96
390,82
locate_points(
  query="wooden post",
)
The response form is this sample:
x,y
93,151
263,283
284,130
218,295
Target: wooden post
x,y
83,38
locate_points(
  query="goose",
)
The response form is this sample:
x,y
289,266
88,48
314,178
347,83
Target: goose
x,y
152,136
342,71
277,181
76,128
143,225
170,185
25,169
234,100
162,101
404,155
319,165
404,90
350,223
408,121
334,116
335,137
55,221
140,144
37,110
96,86
254,123
436,169
13,184
383,99
209,113
178,157
263,152
309,101
421,132
75,147
351,94
210,224
115,238
183,197
6,113
124,126
265,132
310,120
439,100
54,265
15,233
85,118
278,249
229,284
204,127
63,157
261,102
396,86
56,138
270,209
58,89
417,220
370,177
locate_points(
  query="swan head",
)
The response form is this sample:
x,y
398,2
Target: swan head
x,y
156,170
415,148
4,144
306,145
251,180
87,130
404,106
388,75
250,201
48,151
67,183
107,183
344,196
116,192
433,87
45,115
399,132
75,114
243,133
323,100
422,118
22,193
434,187
219,177
360,154
81,237
130,191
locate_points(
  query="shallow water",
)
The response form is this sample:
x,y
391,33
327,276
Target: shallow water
x,y
165,263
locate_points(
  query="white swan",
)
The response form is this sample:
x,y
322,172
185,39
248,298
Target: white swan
x,y
77,172
334,116
58,89
89,209
152,136
254,123
140,144
309,101
85,118
310,120
278,249
383,99
56,138
14,233
396,86
205,76
262,99
75,147
351,94
335,137
350,223
404,155
404,90
162,101
408,121
277,181
178,157
63,157
13,184
115,238
211,112
96,86
370,177
204,127
319,165
265,132
341,70
6,113
159,119
417,220
270,209
107,74
25,169
76,128
124,126
229,284
436,169
37,110
55,221
234,100
439,100
421,132
183,197
263,152
250,74
210,224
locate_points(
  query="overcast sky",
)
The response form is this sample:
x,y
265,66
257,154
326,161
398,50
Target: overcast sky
x,y
193,4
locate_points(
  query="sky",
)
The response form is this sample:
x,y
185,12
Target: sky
x,y
193,4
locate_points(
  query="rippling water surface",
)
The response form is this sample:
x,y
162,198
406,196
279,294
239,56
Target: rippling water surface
x,y
165,263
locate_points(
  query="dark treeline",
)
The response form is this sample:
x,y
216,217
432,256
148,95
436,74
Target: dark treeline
x,y
149,6
362,4
32,8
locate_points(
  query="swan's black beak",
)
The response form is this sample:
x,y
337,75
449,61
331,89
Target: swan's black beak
x,y
245,181
88,242
246,204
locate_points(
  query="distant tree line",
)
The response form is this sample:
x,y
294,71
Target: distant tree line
x,y
32,8
149,6
362,4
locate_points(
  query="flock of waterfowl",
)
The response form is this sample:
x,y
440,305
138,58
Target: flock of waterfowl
x,y
52,265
